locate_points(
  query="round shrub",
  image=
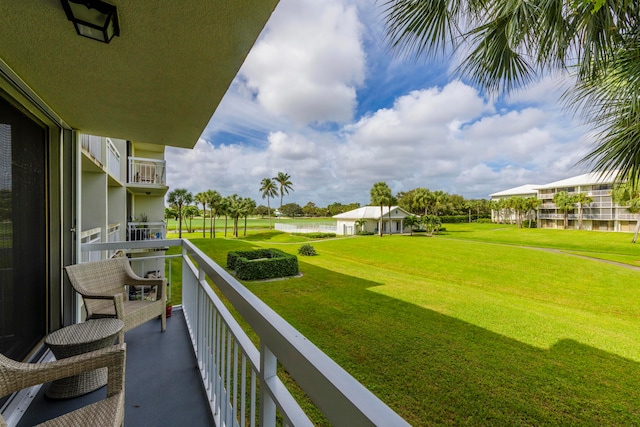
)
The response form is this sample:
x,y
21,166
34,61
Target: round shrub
x,y
307,250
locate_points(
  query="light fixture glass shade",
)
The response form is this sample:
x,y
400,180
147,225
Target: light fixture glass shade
x,y
94,19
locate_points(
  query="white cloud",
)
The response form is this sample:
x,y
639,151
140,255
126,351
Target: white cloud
x,y
309,62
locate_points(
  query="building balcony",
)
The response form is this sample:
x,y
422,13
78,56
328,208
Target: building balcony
x,y
147,176
101,154
137,231
205,370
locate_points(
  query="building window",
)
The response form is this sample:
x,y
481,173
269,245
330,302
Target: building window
x,y
23,232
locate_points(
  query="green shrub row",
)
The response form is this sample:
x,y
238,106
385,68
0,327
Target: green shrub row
x,y
262,264
365,233
456,219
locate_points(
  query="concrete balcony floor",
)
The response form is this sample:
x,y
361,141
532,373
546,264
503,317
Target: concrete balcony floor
x,y
162,385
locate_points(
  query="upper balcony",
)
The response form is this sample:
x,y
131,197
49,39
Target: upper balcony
x,y
147,176
101,154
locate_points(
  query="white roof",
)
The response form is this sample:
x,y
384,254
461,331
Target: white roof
x,y
523,190
585,179
372,212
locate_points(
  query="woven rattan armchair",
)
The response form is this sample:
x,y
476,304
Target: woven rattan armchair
x,y
15,376
102,286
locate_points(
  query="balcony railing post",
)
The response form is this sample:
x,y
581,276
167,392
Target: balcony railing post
x,y
268,369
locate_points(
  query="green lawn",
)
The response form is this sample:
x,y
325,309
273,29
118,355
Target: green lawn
x,y
472,327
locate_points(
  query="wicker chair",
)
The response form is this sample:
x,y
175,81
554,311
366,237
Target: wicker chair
x,y
102,286
15,376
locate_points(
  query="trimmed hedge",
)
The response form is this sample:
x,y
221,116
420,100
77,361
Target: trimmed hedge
x,y
262,264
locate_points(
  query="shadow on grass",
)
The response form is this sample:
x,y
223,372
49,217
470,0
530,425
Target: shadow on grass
x,y
437,370
434,369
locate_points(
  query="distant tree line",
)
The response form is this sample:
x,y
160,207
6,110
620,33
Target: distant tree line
x,y
211,205
422,201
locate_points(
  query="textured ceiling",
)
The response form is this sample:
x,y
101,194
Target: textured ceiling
x,y
159,82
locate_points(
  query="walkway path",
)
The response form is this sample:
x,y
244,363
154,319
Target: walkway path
x,y
558,251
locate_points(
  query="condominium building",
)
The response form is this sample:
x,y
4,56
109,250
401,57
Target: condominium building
x,y
599,214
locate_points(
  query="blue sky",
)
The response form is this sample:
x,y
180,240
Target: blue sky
x,y
322,98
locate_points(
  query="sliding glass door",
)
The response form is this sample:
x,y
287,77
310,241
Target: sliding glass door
x,y
23,232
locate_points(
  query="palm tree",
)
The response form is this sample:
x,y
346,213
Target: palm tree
x,y
360,223
422,199
268,189
439,199
431,223
564,202
581,199
628,194
380,193
411,221
248,207
284,183
201,198
532,203
178,199
234,210
190,211
224,210
504,45
213,198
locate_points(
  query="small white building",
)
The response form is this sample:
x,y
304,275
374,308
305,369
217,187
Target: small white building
x,y
346,221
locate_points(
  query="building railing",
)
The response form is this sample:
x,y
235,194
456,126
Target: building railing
x,y
241,380
147,171
599,193
592,216
146,230
113,160
93,235
113,236
93,144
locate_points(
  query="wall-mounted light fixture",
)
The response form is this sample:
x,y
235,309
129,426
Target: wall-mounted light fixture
x,y
94,19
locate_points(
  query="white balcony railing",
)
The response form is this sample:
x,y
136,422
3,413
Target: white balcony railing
x,y
146,231
93,235
113,236
241,380
113,159
93,144
147,171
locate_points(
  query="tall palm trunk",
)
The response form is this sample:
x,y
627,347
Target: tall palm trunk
x,y
204,220
389,220
635,234
381,219
225,225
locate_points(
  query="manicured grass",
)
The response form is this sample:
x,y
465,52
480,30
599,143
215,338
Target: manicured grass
x,y
469,327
